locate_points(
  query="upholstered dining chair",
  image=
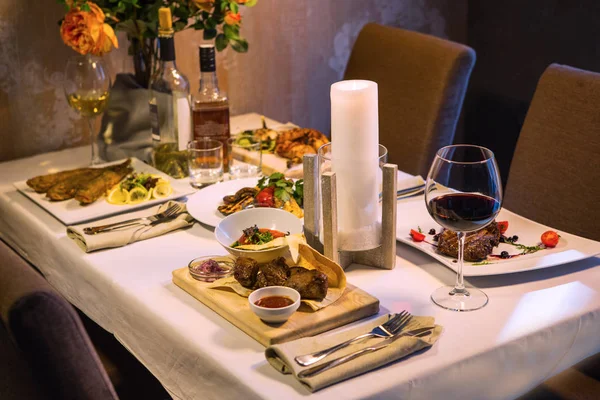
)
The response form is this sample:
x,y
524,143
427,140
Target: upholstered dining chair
x,y
554,177
422,82
48,334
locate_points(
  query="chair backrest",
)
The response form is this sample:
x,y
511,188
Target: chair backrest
x,y
49,334
554,177
422,82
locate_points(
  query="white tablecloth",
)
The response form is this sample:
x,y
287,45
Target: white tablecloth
x,y
535,325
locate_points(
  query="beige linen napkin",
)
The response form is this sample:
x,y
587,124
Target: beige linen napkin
x,y
281,356
122,237
406,183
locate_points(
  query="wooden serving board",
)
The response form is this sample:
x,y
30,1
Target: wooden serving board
x,y
355,304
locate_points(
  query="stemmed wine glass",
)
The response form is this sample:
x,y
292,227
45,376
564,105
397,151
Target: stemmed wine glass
x,y
86,86
463,193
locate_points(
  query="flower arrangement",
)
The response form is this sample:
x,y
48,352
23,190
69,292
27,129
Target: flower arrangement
x,y
88,27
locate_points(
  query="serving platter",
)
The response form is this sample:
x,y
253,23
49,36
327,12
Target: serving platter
x,y
412,214
70,212
355,304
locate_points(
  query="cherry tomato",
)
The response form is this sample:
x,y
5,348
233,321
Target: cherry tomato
x,y
274,233
266,197
502,226
416,236
550,238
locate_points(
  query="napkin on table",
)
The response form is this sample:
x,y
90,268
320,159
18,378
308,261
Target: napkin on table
x,y
281,356
406,183
124,236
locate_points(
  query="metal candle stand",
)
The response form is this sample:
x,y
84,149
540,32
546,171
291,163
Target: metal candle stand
x,y
383,256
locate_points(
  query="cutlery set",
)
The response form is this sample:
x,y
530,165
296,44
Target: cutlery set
x,y
390,331
168,215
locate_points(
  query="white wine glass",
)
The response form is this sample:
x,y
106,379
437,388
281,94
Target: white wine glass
x,y
87,85
463,193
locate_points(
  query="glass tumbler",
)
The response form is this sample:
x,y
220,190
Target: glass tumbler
x,y
245,157
205,162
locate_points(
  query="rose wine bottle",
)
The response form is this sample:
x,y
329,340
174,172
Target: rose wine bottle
x,y
170,110
211,105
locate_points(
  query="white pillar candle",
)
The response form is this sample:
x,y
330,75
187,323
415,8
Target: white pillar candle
x,y
354,157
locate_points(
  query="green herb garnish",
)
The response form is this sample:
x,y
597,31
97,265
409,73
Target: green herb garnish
x,y
527,249
285,189
485,262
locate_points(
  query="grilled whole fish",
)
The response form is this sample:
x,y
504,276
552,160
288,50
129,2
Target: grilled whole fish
x,y
42,183
97,187
67,188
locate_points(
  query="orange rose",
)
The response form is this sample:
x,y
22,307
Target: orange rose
x,y
205,5
85,31
233,19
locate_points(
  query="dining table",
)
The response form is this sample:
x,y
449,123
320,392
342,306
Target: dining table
x,y
537,323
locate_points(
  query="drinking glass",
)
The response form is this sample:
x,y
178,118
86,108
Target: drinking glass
x,y
245,157
205,162
463,193
86,86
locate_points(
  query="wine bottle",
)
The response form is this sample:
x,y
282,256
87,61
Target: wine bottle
x,y
170,110
211,105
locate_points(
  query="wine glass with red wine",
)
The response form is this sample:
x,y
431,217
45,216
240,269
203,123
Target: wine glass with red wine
x,y
463,193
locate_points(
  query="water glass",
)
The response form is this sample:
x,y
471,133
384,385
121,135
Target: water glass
x,y
205,162
245,157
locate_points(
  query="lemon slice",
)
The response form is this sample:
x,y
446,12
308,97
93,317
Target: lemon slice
x,y
138,194
162,190
118,196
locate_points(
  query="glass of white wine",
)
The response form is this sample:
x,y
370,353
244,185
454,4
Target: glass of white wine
x,y
87,85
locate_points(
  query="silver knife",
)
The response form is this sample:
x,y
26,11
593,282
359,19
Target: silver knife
x,y
307,373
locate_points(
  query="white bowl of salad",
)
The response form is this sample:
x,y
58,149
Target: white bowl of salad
x,y
259,233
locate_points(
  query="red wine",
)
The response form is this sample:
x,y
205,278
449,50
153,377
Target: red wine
x,y
463,212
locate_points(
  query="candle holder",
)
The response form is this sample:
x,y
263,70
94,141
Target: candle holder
x,y
383,256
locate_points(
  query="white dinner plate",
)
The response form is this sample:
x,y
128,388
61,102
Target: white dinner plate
x,y
69,212
413,214
203,204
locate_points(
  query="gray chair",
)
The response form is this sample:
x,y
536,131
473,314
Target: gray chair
x,y
422,82
48,334
554,177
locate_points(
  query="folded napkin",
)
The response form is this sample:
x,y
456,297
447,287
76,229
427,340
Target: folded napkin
x,y
124,236
281,356
407,183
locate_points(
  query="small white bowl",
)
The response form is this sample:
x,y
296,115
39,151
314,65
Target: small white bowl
x,y
230,229
274,314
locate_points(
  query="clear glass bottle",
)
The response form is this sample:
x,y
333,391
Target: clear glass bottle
x,y
170,111
211,105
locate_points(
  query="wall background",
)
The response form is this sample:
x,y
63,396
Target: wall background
x,y
297,49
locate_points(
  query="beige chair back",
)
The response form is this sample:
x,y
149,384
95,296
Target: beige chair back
x,y
554,177
422,82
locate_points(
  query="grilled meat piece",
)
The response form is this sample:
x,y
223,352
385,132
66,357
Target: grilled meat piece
x,y
293,144
245,270
274,273
238,201
478,244
240,194
228,209
310,283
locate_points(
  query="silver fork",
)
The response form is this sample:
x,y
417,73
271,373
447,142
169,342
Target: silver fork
x,y
174,209
385,330
307,373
